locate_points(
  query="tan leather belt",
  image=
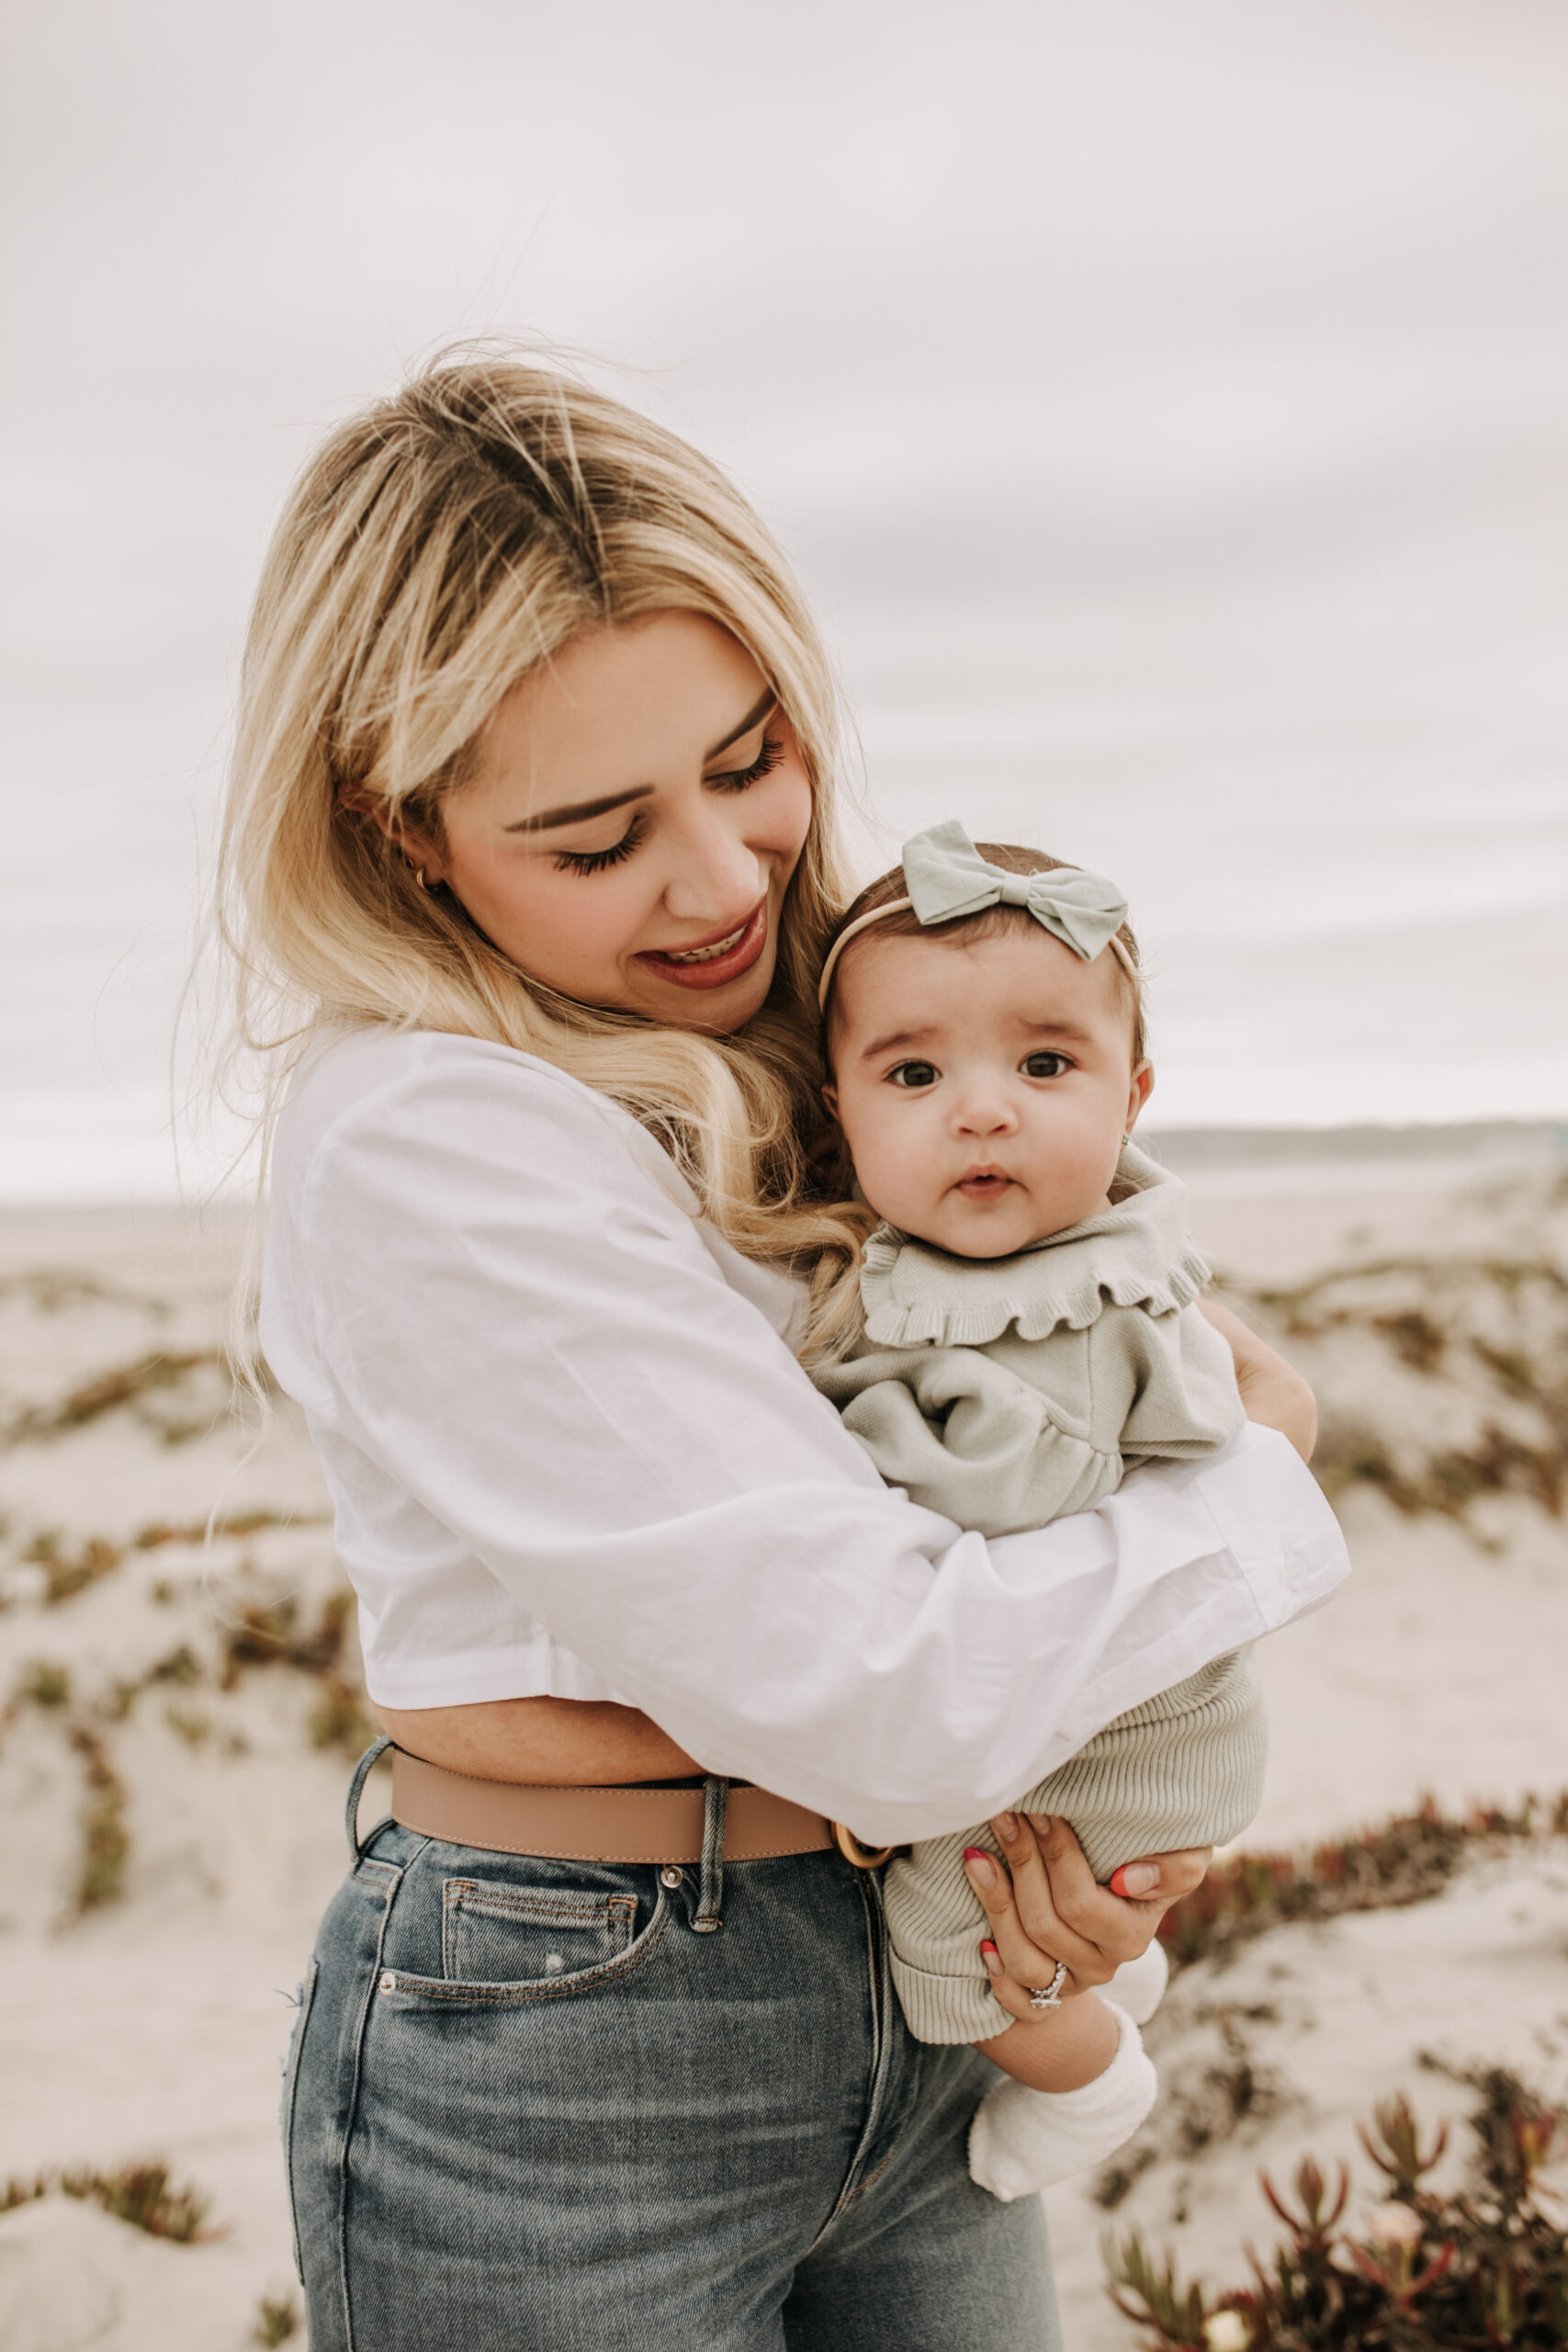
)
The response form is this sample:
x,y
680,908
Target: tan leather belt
x,y
597,1825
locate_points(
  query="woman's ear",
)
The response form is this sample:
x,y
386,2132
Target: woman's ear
x,y
1139,1092
417,849
830,1096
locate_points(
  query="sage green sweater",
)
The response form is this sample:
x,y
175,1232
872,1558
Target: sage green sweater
x,y
1006,1393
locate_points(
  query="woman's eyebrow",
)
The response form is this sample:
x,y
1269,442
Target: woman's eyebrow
x,y
758,712
577,813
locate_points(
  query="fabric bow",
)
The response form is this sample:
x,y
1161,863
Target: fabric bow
x,y
946,878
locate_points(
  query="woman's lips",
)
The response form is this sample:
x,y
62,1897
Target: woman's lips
x,y
717,961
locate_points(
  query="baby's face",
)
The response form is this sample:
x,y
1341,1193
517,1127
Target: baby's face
x,y
983,1085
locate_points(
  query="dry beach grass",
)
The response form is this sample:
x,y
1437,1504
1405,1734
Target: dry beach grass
x,y
176,1717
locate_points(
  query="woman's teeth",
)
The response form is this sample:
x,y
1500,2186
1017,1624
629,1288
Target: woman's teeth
x,y
707,955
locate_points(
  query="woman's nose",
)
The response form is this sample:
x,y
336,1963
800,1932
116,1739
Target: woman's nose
x,y
716,873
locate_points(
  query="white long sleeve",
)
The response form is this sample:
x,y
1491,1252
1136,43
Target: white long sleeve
x,y
569,1452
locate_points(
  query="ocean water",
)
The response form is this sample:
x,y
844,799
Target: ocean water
x,y
1168,412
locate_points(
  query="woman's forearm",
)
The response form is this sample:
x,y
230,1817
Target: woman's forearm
x,y
1105,1610
1281,1399
1272,1392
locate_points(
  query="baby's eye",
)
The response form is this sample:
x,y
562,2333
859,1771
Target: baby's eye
x,y
913,1074
1045,1065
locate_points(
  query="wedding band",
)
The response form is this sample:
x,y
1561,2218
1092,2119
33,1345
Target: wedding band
x,y
1049,1996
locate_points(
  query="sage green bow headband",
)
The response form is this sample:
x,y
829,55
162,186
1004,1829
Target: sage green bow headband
x,y
947,878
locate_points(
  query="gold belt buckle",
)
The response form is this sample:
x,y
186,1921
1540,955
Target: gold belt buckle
x,y
864,1858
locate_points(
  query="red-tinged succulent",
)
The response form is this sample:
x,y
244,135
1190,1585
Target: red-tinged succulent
x,y
1427,2272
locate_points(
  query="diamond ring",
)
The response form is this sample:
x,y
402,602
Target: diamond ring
x,y
1049,1996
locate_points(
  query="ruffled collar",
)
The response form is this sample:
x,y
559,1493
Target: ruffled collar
x,y
1135,1253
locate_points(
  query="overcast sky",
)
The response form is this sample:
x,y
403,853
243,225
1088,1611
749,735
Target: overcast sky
x,y
1167,406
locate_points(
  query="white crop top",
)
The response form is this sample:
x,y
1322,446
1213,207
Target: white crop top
x,y
571,1451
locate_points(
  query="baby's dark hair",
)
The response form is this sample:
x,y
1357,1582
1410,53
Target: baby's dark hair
x,y
907,924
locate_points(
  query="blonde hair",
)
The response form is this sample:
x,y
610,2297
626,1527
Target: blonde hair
x,y
438,546
835,1320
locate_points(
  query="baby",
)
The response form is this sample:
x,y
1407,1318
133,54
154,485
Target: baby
x,y
1020,1328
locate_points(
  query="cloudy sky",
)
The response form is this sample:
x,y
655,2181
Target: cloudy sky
x,y
1167,406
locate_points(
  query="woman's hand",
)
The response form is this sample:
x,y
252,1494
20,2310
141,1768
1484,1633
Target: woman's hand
x,y
1272,1391
1045,1907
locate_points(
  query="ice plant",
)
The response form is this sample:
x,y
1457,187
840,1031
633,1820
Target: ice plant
x,y
1426,2273
1407,1859
1393,2226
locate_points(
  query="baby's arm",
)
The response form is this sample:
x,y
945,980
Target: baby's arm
x,y
966,1433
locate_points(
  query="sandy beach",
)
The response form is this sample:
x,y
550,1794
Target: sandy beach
x,y
178,1717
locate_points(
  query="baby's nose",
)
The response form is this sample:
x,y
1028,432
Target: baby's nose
x,y
986,1111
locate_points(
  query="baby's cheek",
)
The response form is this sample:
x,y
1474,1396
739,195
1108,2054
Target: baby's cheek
x,y
893,1163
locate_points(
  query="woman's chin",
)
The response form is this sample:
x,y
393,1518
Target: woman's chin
x,y
718,1009
717,1013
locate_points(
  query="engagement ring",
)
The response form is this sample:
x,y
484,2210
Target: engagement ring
x,y
1049,1996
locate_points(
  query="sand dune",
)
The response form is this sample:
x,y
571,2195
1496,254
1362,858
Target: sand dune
x,y
177,1721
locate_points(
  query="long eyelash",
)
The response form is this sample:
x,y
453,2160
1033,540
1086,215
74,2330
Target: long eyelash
x,y
766,760
594,861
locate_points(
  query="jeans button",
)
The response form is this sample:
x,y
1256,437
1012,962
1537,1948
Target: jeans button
x,y
669,1875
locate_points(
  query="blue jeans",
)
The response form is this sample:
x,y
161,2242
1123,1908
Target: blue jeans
x,y
537,2106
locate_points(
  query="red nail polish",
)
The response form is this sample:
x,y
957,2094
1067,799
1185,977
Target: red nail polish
x,y
988,1946
970,1852
1133,1893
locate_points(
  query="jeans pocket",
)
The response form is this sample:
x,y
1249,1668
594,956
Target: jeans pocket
x,y
497,1934
307,1994
505,1946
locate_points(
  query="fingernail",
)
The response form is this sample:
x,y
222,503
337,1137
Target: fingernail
x,y
1134,1878
980,1867
992,1959
1008,1825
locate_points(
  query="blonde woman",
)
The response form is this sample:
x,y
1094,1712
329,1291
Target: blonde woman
x,y
530,863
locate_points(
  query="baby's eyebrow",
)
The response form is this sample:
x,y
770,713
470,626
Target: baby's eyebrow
x,y
1068,1029
896,1037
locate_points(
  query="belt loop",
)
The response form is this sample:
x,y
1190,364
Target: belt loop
x,y
710,1894
362,1772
